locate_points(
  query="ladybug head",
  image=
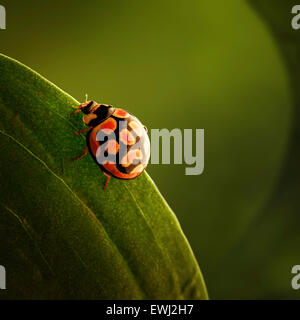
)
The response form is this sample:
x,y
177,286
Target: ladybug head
x,y
94,113
87,107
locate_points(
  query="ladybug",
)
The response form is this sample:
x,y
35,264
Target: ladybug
x,y
117,140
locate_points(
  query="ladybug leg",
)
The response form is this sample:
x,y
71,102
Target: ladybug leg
x,y
82,155
83,130
76,111
107,180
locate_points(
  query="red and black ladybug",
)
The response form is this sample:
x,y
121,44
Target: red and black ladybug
x,y
116,139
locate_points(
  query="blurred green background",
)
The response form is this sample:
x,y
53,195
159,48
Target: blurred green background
x,y
186,64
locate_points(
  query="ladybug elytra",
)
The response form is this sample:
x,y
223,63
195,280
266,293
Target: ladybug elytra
x,y
116,139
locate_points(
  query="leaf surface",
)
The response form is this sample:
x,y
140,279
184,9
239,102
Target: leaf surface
x,y
62,235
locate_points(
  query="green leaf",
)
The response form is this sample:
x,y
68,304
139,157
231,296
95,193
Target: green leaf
x,y
63,236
